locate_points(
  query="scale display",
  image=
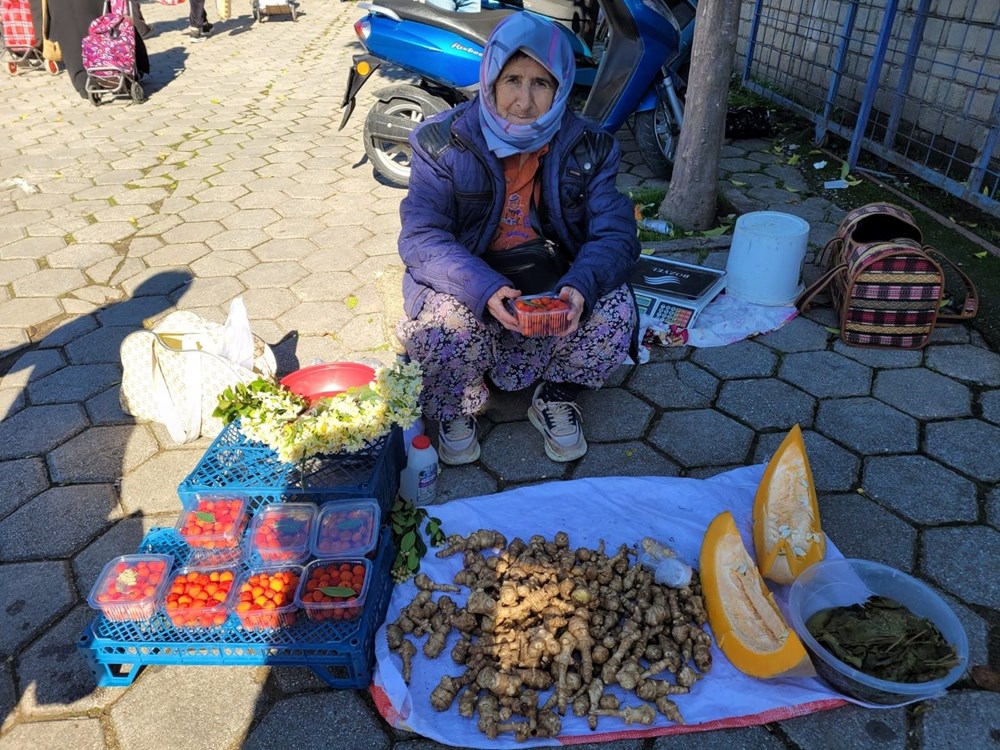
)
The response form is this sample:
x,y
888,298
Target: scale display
x,y
674,292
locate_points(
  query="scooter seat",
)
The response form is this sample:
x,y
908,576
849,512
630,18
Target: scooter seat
x,y
476,27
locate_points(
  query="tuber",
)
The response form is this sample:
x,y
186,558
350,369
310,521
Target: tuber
x,y
406,652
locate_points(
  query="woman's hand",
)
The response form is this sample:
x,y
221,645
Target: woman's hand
x,y
499,310
576,304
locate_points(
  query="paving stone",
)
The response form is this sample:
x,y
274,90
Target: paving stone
x,y
58,522
969,445
674,385
463,481
53,677
23,616
100,346
922,490
316,318
84,734
765,403
833,468
151,488
976,628
134,311
292,723
962,721
105,409
18,268
630,459
27,312
993,508
142,719
516,453
854,728
797,335
826,374
20,481
101,454
990,403
73,383
867,426
887,539
980,549
613,414
33,366
744,738
744,359
36,430
292,680
280,275
923,394
958,334
8,698
967,363
879,358
701,438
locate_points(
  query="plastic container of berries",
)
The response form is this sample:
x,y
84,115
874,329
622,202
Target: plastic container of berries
x,y
130,587
213,526
346,529
199,597
280,533
334,589
264,598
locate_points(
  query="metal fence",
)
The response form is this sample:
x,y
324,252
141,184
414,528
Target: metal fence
x,y
915,82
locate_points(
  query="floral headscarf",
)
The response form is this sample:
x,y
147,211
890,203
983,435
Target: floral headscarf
x,y
543,41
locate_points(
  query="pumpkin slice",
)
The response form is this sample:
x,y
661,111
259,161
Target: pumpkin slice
x,y
747,624
786,532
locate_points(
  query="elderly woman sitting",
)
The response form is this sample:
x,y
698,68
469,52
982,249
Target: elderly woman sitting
x,y
490,180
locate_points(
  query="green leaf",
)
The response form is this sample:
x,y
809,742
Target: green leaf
x,y
791,189
342,591
793,160
289,526
420,547
204,517
983,254
352,302
831,329
397,527
716,232
845,169
407,541
737,183
412,561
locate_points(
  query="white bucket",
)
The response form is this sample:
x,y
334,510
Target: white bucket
x,y
765,258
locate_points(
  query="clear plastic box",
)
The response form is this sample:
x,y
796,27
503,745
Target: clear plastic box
x,y
264,597
323,589
214,521
843,582
541,315
280,532
130,587
199,597
346,528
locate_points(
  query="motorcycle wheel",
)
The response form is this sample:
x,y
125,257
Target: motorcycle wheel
x,y
392,159
656,134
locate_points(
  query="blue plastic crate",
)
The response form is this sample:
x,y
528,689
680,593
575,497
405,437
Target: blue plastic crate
x,y
234,462
341,653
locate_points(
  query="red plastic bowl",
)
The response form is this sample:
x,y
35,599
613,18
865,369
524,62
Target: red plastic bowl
x,y
328,379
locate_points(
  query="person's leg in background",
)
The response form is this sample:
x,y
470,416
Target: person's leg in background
x,y
144,29
198,25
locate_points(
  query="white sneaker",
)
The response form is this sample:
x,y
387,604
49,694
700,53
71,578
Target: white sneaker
x,y
560,424
458,441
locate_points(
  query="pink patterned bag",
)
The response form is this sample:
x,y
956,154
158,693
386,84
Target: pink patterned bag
x,y
109,47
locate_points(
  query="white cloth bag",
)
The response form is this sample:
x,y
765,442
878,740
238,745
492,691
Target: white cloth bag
x,y
174,373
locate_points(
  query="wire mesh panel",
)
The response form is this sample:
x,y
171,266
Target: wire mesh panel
x,y
916,82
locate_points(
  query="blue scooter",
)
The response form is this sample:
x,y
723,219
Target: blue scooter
x,y
630,53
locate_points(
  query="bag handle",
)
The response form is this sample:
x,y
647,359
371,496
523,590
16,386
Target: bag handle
x,y
805,299
970,306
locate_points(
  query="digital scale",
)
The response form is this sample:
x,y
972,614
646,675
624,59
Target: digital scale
x,y
674,292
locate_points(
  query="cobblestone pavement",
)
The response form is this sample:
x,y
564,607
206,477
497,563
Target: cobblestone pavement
x,y
233,180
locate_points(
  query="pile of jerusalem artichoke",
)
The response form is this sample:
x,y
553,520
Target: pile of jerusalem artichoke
x,y
541,615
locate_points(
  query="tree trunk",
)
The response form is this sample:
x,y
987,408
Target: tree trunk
x,y
690,202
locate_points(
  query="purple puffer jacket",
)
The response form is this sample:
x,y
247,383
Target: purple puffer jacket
x,y
455,199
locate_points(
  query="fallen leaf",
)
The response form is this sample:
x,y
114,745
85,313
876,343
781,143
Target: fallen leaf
x,y
737,183
983,254
845,169
352,302
986,678
831,329
215,101
791,189
793,160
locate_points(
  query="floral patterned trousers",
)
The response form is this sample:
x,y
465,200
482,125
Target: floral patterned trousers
x,y
457,351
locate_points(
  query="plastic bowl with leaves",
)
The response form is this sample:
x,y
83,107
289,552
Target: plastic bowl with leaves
x,y
844,582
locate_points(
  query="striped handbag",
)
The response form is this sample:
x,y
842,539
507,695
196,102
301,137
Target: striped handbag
x,y
888,289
